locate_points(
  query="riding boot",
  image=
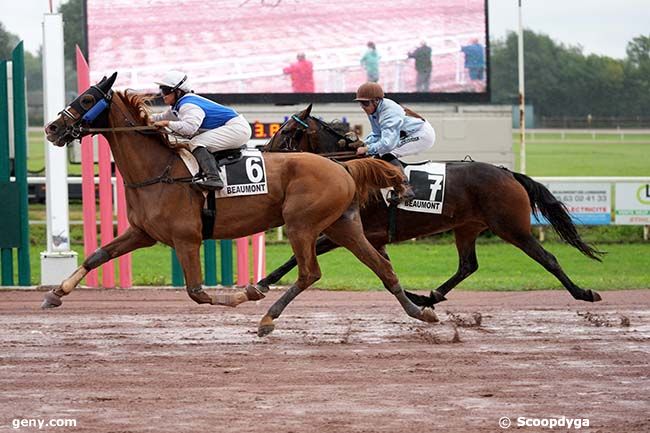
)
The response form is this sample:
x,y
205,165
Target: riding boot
x,y
408,193
211,180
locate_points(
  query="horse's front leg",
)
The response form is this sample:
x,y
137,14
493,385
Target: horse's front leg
x,y
323,245
188,254
308,274
130,240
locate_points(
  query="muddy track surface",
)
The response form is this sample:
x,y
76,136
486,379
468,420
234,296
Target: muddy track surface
x,y
153,361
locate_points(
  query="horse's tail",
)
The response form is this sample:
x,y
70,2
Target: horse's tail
x,y
542,200
371,174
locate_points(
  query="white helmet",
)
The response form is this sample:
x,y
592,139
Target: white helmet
x,y
175,80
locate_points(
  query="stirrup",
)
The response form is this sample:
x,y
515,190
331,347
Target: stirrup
x,y
209,184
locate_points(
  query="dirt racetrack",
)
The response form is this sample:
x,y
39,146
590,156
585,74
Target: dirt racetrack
x,y
153,361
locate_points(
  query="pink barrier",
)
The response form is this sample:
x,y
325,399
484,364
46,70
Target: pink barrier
x,y
259,259
106,207
87,177
122,226
242,262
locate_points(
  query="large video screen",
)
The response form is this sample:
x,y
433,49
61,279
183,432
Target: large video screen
x,y
284,51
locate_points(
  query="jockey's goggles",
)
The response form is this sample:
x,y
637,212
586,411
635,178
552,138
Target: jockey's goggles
x,y
166,90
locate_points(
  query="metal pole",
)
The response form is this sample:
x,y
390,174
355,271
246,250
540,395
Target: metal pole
x,y
522,100
20,161
58,261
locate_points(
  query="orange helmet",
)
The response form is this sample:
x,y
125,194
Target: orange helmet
x,y
368,91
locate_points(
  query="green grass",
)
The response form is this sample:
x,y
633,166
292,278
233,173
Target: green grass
x,y
605,156
424,266
502,267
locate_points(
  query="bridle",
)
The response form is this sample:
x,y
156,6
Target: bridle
x,y
291,143
77,125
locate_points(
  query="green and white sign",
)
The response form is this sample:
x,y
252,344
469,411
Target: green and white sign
x,y
633,203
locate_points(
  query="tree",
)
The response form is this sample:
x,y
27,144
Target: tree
x,y
638,51
73,34
8,42
73,30
562,81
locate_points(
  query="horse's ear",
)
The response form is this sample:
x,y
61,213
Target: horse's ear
x,y
106,86
307,111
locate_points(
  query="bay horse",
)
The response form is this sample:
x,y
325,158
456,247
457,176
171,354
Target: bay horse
x,y
307,193
478,197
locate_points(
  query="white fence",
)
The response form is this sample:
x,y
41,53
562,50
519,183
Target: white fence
x,y
586,135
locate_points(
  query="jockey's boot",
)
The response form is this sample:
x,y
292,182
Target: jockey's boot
x,y
408,193
211,180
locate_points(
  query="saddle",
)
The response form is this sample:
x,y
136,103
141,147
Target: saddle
x,y
228,156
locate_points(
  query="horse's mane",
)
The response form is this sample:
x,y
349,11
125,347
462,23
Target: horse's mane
x,y
139,105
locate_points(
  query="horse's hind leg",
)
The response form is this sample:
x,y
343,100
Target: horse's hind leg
x,y
302,241
130,240
528,244
467,265
348,232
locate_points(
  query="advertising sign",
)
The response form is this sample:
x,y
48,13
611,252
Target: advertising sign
x,y
633,203
588,203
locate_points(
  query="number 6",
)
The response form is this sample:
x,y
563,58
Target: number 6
x,y
254,170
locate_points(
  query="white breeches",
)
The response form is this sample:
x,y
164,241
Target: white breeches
x,y
417,142
233,135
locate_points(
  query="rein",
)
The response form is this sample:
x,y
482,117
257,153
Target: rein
x,y
343,154
120,129
163,178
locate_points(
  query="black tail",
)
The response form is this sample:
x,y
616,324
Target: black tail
x,y
541,200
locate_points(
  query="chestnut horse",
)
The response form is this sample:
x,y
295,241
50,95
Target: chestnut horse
x,y
478,197
307,193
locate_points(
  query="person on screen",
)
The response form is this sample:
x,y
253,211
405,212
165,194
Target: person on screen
x,y
302,74
396,131
370,62
474,63
208,125
423,66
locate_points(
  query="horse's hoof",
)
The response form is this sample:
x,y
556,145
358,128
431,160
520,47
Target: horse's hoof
x,y
595,297
428,315
253,293
262,288
266,326
264,330
51,301
437,297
